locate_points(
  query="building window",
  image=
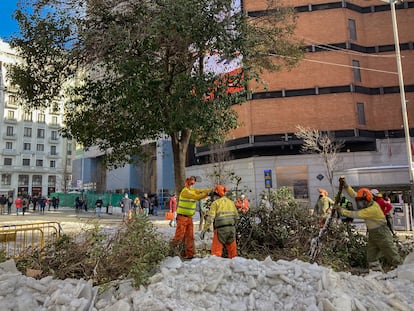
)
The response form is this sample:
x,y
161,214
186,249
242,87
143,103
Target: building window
x,y
41,118
357,70
10,114
68,162
40,133
51,181
54,120
28,116
53,163
53,150
39,162
7,161
12,100
37,180
9,145
23,180
27,132
40,147
54,135
54,108
26,146
5,179
26,162
295,178
69,148
352,29
10,131
361,114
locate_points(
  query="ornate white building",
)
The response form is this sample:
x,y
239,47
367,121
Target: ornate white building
x,y
34,158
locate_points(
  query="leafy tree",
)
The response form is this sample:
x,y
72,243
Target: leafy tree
x,y
131,71
324,144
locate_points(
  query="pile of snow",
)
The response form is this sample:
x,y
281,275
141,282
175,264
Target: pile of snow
x,y
214,283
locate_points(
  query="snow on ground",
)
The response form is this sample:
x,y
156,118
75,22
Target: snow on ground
x,y
213,283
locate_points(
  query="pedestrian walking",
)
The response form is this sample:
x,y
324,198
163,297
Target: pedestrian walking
x,y
9,204
146,203
173,209
3,202
19,204
98,206
126,204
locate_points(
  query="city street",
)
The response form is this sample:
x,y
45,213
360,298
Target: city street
x,y
72,221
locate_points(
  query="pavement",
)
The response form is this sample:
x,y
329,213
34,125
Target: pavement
x,y
72,221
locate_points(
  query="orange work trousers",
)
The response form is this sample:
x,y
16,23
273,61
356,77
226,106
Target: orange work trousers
x,y
185,232
217,247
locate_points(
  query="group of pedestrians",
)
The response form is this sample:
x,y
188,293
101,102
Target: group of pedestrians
x,y
23,204
145,205
5,201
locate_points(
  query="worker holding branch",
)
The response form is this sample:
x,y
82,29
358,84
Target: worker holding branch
x,y
380,239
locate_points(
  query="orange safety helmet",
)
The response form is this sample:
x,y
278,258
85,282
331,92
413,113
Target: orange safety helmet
x,y
323,192
220,190
190,181
364,194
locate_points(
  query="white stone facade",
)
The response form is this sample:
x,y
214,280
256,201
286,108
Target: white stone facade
x,y
299,172
34,158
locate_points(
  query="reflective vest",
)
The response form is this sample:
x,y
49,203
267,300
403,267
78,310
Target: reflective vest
x,y
186,206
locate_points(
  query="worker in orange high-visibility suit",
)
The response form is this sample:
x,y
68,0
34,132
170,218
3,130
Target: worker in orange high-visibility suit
x,y
185,211
242,204
223,215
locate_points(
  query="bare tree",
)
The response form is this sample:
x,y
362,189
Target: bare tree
x,y
219,173
324,144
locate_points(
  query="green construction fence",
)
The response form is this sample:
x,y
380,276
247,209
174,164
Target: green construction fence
x,y
68,199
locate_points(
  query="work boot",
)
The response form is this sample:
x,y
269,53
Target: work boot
x,y
375,266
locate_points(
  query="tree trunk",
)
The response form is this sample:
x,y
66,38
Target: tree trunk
x,y
180,141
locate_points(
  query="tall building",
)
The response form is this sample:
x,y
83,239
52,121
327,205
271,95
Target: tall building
x,y
347,84
34,158
154,176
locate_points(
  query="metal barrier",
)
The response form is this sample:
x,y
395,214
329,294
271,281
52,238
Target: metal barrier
x,y
15,239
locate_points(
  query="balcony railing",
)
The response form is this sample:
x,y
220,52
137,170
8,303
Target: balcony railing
x,y
54,125
9,152
9,136
54,140
10,120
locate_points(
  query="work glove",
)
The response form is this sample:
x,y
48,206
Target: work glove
x,y
343,181
337,210
202,234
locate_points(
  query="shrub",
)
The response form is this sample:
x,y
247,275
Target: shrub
x,y
285,231
134,251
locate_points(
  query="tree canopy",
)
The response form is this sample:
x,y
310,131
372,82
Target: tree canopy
x,y
131,71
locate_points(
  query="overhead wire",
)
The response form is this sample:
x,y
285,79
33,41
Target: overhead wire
x,y
336,64
333,48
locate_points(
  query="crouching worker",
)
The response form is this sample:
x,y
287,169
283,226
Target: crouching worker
x,y
380,239
223,215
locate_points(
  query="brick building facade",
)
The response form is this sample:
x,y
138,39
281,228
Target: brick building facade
x,y
347,84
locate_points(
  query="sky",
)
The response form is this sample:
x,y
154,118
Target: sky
x,y
8,25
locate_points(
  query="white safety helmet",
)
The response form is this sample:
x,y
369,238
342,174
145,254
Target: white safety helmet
x,y
376,193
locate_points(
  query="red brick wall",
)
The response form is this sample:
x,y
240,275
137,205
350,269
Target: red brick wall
x,y
334,111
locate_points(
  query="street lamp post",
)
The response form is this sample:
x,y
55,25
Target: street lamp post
x,y
402,91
